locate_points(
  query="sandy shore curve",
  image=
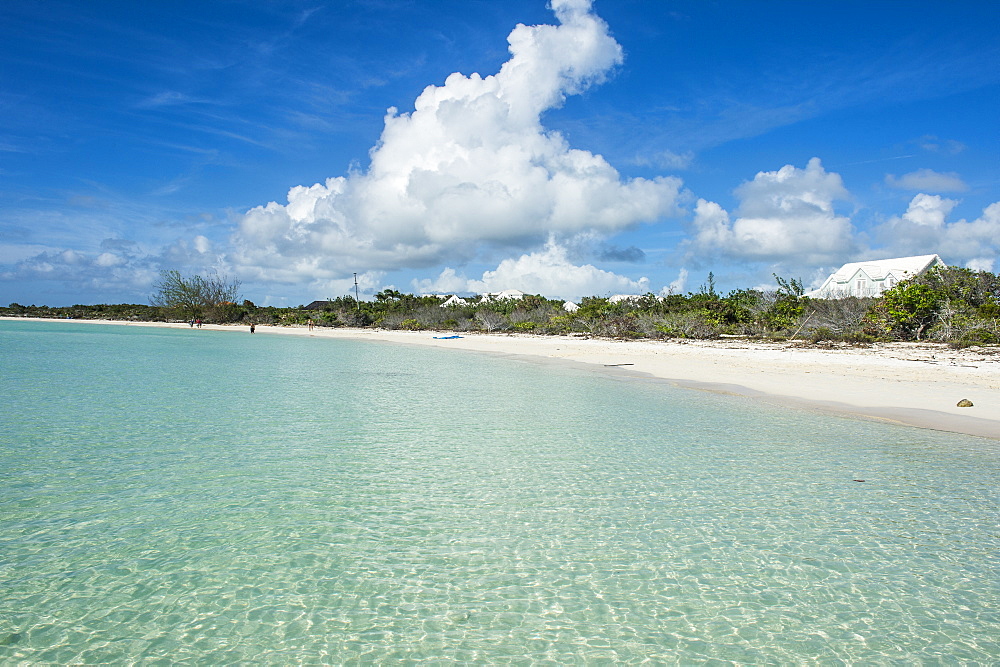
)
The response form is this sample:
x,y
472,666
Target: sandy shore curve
x,y
918,384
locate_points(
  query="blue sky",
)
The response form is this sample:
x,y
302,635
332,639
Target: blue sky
x,y
574,149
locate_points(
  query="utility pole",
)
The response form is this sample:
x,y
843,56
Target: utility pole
x,y
357,297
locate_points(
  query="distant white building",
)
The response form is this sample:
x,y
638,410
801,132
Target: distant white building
x,y
511,294
570,307
615,298
629,298
454,300
873,277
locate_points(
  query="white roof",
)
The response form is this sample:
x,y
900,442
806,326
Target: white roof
x,y
454,300
570,307
506,294
877,270
616,298
880,268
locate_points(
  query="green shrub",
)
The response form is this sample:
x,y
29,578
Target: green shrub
x,y
910,308
558,324
989,310
859,338
976,337
822,334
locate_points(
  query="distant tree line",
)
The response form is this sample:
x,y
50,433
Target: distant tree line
x,y
952,305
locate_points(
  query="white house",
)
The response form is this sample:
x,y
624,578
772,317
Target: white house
x,y
873,277
615,298
454,300
511,294
630,298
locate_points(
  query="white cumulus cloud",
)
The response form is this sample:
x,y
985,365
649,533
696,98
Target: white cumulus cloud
x,y
470,167
548,271
924,229
676,286
928,211
981,264
784,214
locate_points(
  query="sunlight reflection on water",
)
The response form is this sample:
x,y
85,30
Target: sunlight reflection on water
x,y
192,496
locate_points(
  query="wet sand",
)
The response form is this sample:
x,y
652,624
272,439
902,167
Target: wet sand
x,y
918,384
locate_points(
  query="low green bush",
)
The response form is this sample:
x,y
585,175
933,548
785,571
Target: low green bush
x,y
976,337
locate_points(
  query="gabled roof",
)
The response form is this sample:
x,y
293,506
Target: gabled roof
x,y
506,294
878,269
454,300
840,282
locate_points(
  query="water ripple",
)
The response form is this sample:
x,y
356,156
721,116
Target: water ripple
x,y
332,502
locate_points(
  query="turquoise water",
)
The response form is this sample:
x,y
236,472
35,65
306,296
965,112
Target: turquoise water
x,y
217,498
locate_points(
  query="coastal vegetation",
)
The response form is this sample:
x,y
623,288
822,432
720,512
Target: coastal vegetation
x,y
197,297
954,305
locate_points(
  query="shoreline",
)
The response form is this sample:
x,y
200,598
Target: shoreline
x,y
915,384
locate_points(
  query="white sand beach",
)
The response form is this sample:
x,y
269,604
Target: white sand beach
x,y
919,384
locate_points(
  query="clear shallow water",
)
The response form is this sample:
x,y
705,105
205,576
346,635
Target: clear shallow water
x,y
185,495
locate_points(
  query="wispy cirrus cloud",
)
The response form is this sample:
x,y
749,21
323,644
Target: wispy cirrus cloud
x,y
933,144
166,98
927,180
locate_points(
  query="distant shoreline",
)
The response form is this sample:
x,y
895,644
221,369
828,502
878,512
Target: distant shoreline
x,y
917,384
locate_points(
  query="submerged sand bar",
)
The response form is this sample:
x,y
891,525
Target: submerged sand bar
x,y
918,384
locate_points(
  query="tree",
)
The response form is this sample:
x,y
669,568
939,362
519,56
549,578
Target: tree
x,y
196,296
490,319
912,307
709,289
791,287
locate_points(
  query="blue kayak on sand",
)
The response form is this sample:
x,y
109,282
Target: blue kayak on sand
x,y
446,337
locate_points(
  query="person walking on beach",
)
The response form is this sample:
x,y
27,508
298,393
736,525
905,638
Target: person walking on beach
x,y
252,327
310,324
198,322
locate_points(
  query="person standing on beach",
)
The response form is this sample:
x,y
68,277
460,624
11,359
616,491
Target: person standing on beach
x,y
198,322
310,324
252,327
